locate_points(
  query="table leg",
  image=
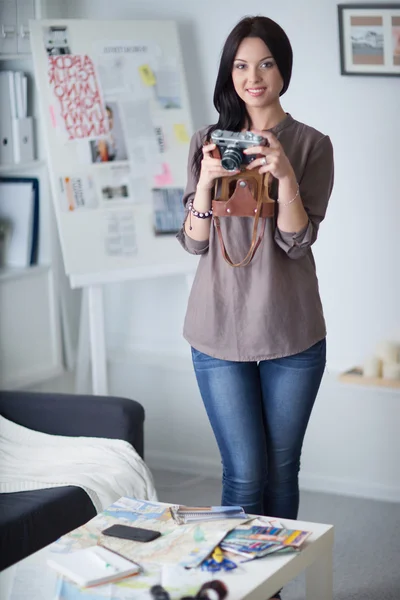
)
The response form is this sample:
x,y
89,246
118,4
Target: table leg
x,y
6,581
319,577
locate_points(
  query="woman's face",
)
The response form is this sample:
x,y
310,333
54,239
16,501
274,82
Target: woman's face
x,y
110,118
256,77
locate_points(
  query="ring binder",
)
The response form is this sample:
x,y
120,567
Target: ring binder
x,y
16,129
22,131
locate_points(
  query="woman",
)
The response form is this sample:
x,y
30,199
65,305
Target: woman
x,y
257,332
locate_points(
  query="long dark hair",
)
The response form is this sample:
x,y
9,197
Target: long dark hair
x,y
231,109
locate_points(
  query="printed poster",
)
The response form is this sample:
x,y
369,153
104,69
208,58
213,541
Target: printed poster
x,y
120,235
77,192
77,96
127,67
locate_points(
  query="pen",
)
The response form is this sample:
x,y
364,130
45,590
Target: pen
x,y
103,562
140,568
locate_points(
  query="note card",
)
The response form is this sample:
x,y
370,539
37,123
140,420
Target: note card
x,y
147,75
165,178
181,133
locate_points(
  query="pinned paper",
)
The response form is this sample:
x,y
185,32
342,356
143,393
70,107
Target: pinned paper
x,y
160,139
72,76
165,178
147,75
168,217
181,133
77,193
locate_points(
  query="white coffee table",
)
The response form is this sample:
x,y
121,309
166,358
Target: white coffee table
x,y
257,580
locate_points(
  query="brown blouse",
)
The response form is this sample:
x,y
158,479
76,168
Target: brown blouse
x,y
270,308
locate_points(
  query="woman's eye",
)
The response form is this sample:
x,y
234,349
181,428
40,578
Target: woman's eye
x,y
267,65
239,66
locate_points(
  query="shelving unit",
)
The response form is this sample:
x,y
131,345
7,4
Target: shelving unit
x,y
20,56
355,376
9,273
13,168
30,325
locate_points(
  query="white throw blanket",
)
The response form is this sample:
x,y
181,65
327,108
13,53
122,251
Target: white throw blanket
x,y
105,469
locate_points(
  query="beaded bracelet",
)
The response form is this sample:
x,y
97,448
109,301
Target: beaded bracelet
x,y
200,215
292,200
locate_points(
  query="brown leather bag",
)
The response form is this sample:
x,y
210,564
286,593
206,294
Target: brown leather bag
x,y
245,194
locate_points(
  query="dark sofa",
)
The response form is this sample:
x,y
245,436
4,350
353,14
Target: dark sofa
x,y
31,520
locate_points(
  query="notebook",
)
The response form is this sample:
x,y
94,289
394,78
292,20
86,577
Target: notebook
x,y
19,205
193,514
93,566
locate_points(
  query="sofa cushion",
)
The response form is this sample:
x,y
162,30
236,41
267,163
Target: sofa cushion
x,y
31,520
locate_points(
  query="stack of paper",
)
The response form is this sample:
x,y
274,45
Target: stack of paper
x,y
19,207
193,514
253,541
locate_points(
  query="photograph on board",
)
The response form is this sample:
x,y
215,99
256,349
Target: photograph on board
x,y
111,147
113,183
168,210
56,40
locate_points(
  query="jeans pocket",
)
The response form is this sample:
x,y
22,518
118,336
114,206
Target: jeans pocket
x,y
198,356
316,354
318,348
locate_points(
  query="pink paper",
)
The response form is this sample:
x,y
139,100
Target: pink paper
x,y
53,116
75,86
166,176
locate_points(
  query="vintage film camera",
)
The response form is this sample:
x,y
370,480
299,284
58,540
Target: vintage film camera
x,y
231,145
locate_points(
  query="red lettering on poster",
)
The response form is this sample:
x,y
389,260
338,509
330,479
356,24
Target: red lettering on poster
x,y
74,83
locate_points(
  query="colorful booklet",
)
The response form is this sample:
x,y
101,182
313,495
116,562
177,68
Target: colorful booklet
x,y
255,541
193,514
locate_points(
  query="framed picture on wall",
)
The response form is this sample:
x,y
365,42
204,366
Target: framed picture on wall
x,y
369,39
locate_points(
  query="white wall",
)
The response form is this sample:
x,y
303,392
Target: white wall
x,y
358,255
352,444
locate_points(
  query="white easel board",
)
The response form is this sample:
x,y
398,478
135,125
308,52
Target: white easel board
x,y
117,126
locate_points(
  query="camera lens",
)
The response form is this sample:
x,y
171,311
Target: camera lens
x,y
232,159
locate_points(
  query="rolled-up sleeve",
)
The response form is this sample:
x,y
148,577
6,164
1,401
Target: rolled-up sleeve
x,y
190,245
316,186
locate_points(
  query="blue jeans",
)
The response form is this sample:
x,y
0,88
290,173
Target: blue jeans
x,y
259,413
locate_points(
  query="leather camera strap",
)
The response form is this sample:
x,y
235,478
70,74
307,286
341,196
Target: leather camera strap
x,y
242,201
254,241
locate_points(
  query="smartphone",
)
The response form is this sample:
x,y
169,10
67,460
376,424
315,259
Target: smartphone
x,y
136,534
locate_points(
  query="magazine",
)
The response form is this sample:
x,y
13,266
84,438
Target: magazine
x,y
255,541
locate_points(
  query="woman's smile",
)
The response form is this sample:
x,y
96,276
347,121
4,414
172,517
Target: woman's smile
x,y
256,91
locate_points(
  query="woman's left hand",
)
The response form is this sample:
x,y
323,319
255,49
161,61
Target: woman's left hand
x,y
273,158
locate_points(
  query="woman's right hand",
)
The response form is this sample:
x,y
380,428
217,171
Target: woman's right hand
x,y
211,169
